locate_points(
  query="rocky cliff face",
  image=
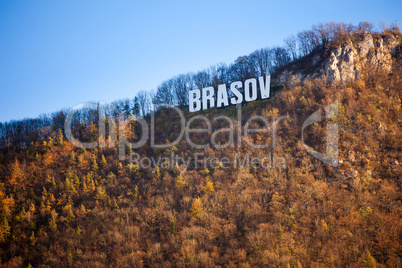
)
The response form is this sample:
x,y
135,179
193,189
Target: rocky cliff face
x,y
349,61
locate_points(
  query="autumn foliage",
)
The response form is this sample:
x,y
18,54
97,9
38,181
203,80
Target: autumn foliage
x,y
66,206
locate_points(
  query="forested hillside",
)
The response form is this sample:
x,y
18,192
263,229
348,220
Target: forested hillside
x,y
62,205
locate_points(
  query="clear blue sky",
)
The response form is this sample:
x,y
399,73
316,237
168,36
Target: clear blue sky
x,y
56,54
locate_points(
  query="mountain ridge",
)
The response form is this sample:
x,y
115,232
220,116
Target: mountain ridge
x,y
69,206
343,62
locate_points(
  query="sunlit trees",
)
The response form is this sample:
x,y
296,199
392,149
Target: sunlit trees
x,y
209,188
365,27
59,138
180,182
64,205
4,229
197,208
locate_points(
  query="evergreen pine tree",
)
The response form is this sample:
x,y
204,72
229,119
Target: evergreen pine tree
x,y
59,138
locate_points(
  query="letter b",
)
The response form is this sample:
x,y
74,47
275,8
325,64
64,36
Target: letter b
x,y
194,100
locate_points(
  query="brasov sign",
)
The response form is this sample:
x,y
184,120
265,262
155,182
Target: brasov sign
x,y
206,98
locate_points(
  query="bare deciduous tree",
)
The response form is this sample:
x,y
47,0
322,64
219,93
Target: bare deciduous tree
x,y
220,74
181,86
164,93
291,46
242,69
263,61
202,79
144,102
281,56
365,27
326,32
383,25
308,41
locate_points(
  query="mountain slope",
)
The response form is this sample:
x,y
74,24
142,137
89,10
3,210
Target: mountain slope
x,y
68,206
